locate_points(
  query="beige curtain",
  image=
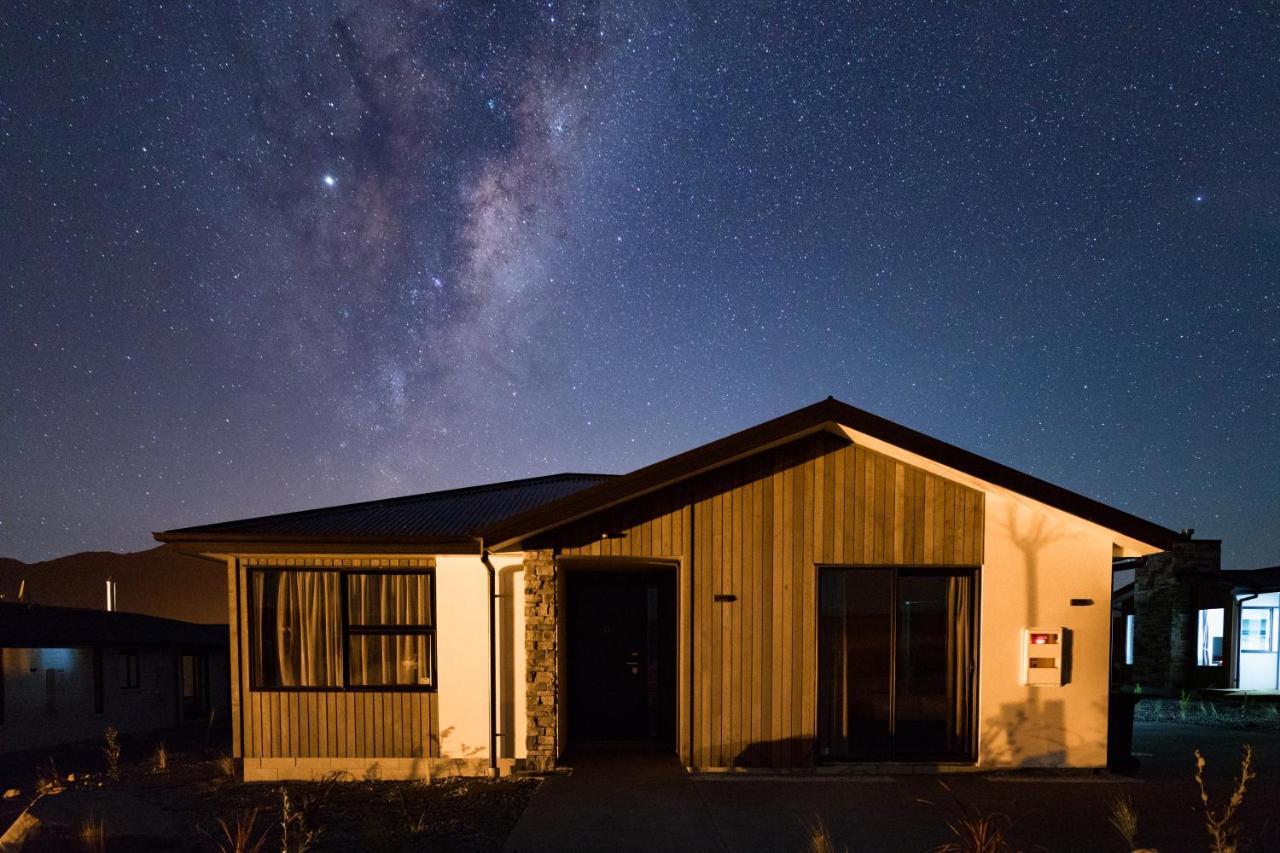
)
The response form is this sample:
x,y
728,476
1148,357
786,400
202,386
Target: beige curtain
x,y
388,601
959,659
299,629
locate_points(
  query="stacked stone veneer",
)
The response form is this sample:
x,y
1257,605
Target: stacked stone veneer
x,y
1164,614
540,643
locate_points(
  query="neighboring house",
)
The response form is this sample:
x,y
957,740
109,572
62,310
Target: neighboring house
x,y
825,587
69,673
1183,623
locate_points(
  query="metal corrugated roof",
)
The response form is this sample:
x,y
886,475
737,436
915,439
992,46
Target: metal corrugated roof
x,y
455,513
31,626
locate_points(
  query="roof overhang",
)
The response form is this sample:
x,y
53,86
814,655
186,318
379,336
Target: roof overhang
x,y
252,543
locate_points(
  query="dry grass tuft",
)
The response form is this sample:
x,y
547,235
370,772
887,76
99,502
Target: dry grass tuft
x,y
239,833
818,838
160,759
973,831
227,766
48,780
1224,834
93,835
1124,817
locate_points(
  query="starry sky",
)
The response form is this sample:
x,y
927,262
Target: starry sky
x,y
263,256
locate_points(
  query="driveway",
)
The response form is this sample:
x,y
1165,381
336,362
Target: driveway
x,y
644,801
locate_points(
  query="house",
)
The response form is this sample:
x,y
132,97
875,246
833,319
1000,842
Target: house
x,y
825,587
1184,623
67,673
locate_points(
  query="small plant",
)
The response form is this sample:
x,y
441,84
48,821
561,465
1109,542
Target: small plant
x,y
1137,688
414,824
160,759
300,821
973,831
239,833
819,837
1124,817
48,780
111,752
93,835
1184,704
1220,823
227,766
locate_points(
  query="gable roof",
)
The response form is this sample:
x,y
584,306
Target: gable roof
x,y
434,517
36,626
827,414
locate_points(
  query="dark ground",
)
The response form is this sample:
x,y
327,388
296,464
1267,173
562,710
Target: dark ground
x,y
180,809
1045,811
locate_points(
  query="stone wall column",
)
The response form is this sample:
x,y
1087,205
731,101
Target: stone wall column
x,y
1164,642
541,681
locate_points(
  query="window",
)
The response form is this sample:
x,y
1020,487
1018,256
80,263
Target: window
x,y
1209,637
1128,639
324,629
1257,629
130,676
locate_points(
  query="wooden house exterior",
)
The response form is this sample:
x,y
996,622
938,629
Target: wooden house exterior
x,y
826,587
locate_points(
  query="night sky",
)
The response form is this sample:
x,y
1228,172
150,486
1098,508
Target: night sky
x,y
266,256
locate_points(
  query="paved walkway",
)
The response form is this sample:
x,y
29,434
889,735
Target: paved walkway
x,y
637,800
617,799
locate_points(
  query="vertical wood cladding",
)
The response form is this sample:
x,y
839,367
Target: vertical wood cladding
x,y
331,723
757,529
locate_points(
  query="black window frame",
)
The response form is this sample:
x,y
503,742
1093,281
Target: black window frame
x,y
131,676
348,631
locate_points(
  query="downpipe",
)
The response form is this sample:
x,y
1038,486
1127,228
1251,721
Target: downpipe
x,y
493,662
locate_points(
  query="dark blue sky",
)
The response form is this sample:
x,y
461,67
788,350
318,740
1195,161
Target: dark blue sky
x,y
265,256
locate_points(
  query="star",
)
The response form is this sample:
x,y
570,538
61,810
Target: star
x,y
330,181
1200,198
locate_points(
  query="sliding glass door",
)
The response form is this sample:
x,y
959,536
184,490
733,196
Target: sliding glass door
x,y
896,663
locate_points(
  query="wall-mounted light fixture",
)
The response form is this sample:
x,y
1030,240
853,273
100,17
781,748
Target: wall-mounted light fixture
x,y
613,534
725,597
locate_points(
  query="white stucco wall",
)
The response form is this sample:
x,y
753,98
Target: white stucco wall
x,y
1036,559
462,635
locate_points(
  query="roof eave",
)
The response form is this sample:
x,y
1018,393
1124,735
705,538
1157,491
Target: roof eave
x,y
262,542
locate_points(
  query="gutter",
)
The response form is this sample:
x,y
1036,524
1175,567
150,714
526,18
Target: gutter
x,y
493,661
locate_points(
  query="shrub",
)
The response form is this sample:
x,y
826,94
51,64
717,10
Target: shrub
x,y
1220,823
48,781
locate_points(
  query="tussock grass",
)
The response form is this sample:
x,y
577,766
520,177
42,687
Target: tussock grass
x,y
238,834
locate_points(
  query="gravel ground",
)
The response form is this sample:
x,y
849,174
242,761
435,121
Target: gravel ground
x,y
1232,713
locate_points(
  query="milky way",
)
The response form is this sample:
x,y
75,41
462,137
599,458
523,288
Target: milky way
x,y
265,256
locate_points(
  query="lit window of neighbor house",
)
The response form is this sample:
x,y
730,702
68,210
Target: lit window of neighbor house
x,y
323,629
1209,637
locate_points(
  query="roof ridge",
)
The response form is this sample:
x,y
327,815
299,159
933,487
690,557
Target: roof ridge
x,y
398,499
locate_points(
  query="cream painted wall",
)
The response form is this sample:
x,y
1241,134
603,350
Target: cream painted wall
x,y
1036,559
462,636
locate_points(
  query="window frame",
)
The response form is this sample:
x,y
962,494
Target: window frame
x,y
131,677
1272,645
344,574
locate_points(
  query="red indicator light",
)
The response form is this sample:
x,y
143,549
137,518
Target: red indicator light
x,y
1043,639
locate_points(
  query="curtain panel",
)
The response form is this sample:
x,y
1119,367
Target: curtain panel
x,y
301,632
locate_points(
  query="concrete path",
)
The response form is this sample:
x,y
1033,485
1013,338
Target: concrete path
x,y
617,799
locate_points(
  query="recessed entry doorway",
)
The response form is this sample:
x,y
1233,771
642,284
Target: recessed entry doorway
x,y
897,664
621,655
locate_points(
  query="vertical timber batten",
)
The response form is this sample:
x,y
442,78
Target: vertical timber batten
x,y
756,530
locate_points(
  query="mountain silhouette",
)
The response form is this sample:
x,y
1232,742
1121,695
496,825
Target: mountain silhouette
x,y
159,582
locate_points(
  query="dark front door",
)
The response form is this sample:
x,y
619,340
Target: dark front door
x,y
621,655
896,663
